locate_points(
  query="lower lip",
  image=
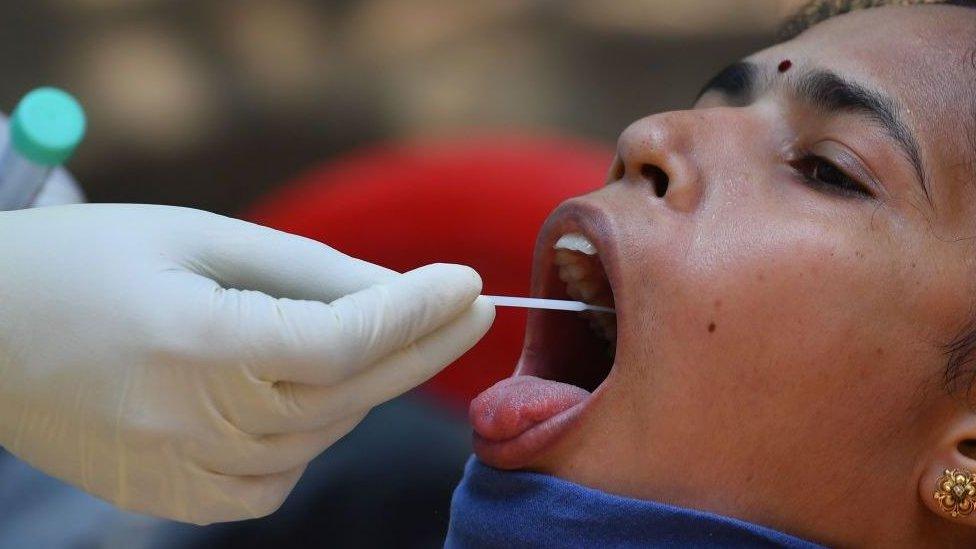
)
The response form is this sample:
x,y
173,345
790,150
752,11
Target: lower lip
x,y
519,418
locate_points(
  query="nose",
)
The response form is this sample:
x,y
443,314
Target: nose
x,y
657,152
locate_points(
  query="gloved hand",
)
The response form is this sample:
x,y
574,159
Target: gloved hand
x,y
188,365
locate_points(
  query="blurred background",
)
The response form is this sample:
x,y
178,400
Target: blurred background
x,y
209,103
289,112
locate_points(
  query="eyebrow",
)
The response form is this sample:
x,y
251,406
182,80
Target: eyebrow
x,y
830,93
736,81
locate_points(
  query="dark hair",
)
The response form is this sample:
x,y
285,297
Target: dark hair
x,y
960,352
818,11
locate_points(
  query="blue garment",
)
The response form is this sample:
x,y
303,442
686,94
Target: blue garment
x,y
493,508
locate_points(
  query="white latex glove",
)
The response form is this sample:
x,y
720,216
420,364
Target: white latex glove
x,y
188,365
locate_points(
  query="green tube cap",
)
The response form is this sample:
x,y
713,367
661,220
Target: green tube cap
x,y
47,126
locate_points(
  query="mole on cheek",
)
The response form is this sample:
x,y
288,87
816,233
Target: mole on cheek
x,y
711,327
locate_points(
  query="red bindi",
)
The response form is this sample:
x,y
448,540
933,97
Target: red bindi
x,y
785,65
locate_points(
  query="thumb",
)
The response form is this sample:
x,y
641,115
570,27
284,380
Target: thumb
x,y
311,407
325,344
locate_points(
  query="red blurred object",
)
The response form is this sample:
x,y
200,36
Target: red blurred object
x,y
475,200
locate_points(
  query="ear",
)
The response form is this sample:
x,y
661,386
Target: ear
x,y
947,484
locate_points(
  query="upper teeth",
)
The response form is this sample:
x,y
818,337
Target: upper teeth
x,y
575,242
579,267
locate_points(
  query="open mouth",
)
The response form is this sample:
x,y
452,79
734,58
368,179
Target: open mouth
x,y
566,356
573,348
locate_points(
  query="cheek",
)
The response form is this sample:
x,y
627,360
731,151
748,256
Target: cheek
x,y
791,318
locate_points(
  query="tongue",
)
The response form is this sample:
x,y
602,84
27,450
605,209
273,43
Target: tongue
x,y
514,405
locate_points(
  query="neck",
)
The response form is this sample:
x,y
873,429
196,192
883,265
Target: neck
x,y
783,493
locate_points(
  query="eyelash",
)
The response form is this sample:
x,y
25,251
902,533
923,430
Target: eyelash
x,y
835,180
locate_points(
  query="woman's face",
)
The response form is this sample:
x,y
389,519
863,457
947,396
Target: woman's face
x,y
787,261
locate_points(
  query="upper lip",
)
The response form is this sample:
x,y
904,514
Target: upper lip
x,y
575,216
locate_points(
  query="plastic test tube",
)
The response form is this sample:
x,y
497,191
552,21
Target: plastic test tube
x,y
44,131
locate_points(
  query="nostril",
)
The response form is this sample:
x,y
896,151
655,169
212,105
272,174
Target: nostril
x,y
657,177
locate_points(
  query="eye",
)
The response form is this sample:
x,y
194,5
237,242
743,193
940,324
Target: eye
x,y
823,174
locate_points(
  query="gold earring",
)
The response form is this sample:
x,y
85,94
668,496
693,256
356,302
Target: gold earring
x,y
956,492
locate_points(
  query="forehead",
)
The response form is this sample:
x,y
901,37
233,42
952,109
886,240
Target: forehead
x,y
923,57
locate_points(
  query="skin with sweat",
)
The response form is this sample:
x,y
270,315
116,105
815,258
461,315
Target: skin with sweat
x,y
780,341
